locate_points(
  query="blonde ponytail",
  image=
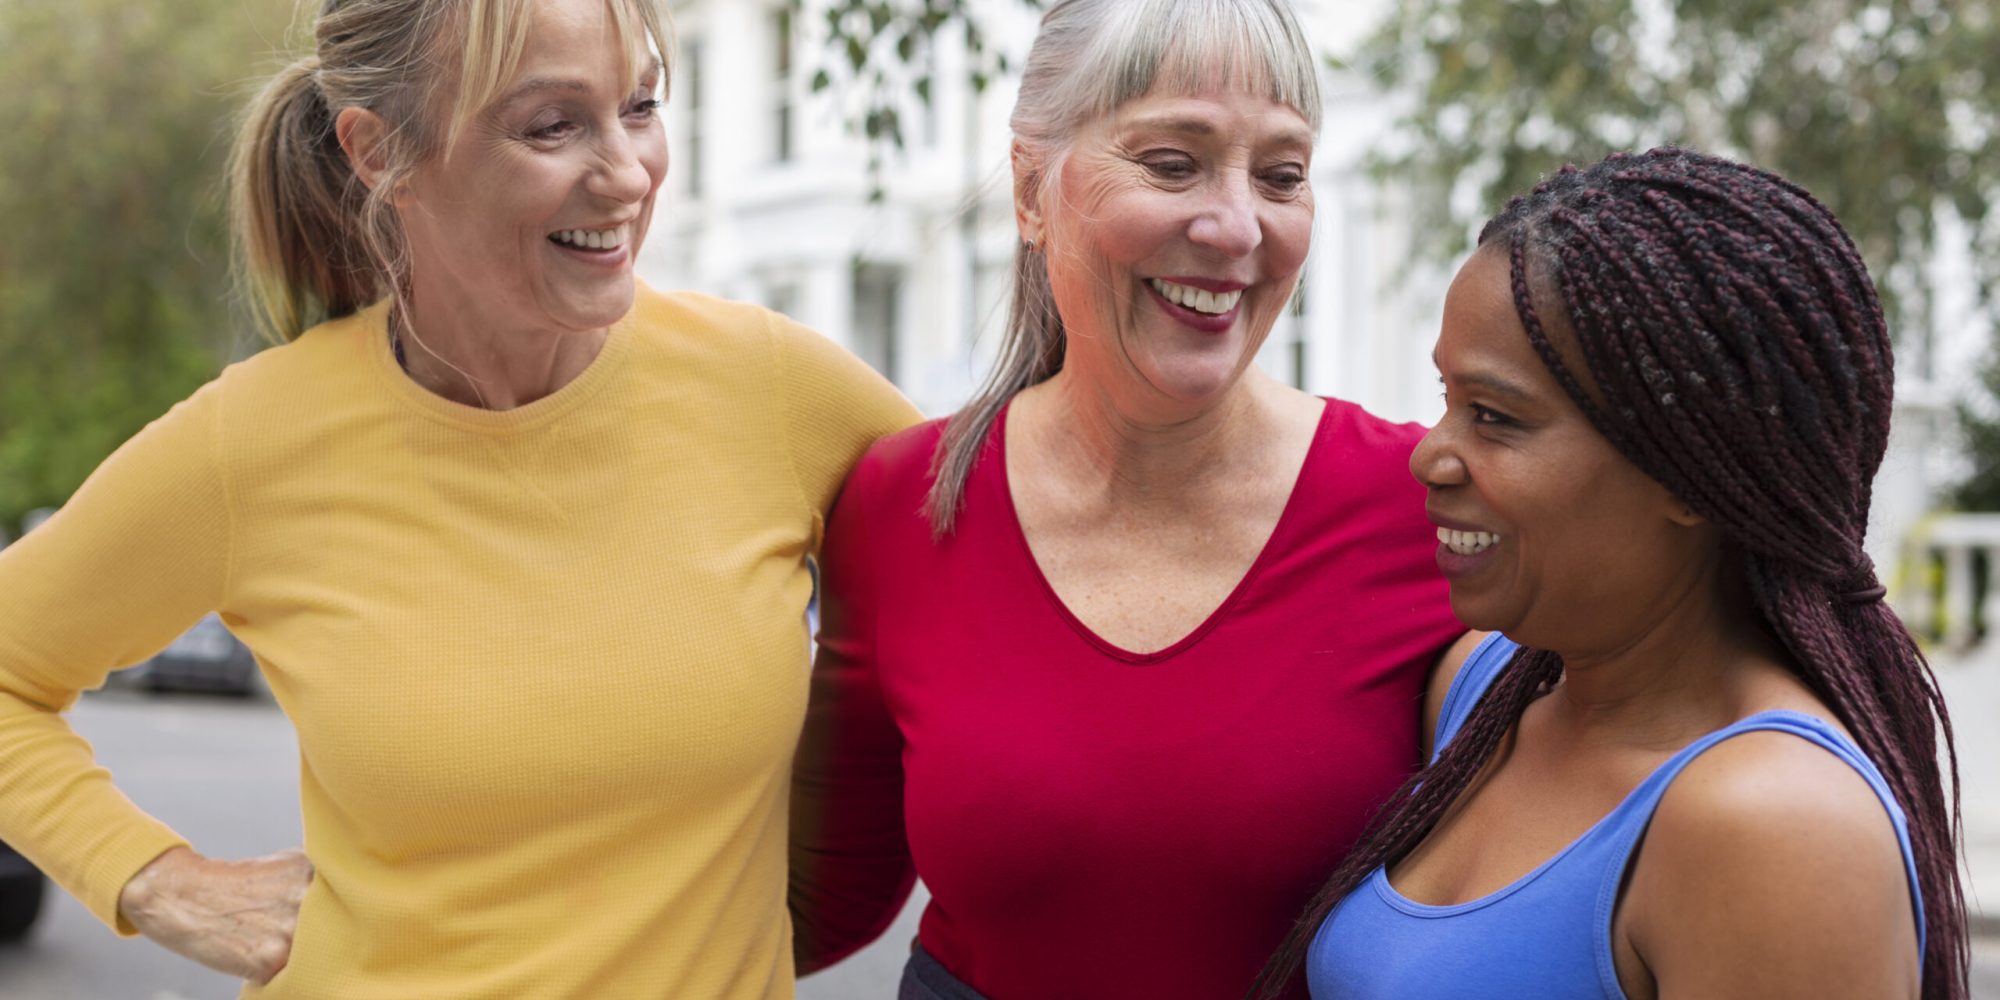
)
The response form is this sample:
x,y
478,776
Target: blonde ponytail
x,y
294,204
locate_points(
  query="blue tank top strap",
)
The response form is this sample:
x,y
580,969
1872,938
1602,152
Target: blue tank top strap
x,y
1627,822
1485,664
1548,933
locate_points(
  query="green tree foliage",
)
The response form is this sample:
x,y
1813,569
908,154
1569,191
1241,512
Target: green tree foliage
x,y
1981,427
879,52
113,282
1889,110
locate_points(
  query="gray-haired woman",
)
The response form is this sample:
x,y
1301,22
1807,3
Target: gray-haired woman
x,y
520,545
1121,657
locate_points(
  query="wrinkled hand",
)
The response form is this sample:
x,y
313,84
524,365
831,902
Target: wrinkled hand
x,y
235,917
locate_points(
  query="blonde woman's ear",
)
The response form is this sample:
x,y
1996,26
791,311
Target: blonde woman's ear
x,y
361,133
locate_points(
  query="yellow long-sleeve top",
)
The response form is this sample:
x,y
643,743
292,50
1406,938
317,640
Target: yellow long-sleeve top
x,y
547,665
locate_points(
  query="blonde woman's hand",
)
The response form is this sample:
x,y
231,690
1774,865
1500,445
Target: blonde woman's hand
x,y
235,917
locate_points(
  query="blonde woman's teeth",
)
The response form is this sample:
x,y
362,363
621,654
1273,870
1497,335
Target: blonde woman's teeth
x,y
1199,300
592,239
1467,543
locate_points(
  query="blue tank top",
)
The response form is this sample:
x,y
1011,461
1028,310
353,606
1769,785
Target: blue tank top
x,y
1547,936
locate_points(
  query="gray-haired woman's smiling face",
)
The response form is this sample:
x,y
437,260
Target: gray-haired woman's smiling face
x,y
1175,234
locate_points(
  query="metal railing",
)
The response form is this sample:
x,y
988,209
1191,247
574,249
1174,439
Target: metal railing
x,y
1947,590
1948,586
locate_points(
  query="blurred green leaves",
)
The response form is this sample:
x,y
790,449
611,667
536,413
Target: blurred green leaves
x,y
1980,425
117,116
1888,110
881,51
114,278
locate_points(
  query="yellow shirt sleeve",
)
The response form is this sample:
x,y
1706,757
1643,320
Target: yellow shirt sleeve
x,y
835,407
136,556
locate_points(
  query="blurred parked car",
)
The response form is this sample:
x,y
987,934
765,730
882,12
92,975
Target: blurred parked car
x,y
21,884
205,658
21,890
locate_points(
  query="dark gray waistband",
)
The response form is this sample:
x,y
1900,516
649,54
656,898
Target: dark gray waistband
x,y
925,979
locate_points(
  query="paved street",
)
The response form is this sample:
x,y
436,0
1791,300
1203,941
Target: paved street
x,y
225,773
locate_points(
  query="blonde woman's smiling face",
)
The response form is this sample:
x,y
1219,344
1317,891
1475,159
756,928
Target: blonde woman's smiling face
x,y
1174,236
537,210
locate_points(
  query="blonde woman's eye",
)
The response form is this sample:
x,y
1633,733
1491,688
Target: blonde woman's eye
x,y
552,131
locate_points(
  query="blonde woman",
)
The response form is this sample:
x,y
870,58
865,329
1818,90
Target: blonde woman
x,y
520,544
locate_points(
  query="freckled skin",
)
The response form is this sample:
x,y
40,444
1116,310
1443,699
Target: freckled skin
x,y
1150,471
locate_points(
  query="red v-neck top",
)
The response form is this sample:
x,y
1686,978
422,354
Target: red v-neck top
x,y
1093,822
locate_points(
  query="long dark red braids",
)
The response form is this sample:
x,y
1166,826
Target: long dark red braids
x,y
1736,352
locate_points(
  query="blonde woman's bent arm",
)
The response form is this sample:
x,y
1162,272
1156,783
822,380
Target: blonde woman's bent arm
x,y
136,556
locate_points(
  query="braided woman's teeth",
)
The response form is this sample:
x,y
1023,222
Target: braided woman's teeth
x,y
1467,543
591,239
1210,303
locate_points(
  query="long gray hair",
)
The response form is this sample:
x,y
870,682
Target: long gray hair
x,y
1090,57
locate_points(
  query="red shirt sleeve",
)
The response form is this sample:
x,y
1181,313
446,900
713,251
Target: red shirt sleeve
x,y
850,861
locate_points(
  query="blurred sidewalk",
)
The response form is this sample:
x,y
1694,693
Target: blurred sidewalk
x,y
1971,686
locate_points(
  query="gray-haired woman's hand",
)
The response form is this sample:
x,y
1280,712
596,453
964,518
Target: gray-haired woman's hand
x,y
235,917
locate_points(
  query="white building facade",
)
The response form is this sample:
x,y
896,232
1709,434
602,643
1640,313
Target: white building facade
x,y
768,200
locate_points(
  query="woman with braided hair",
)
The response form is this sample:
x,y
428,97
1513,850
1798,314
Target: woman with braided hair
x,y
1702,760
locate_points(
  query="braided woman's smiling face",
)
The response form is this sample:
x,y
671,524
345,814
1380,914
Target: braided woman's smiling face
x,y
1546,531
